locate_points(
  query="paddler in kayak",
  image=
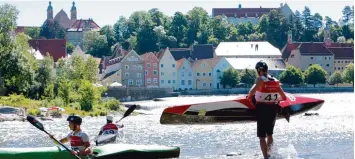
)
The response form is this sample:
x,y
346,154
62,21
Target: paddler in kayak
x,y
110,128
267,93
78,139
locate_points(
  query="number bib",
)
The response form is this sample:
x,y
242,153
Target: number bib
x,y
267,97
106,132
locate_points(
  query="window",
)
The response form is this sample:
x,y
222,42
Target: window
x,y
204,74
182,74
190,82
338,68
330,58
155,80
139,75
126,67
182,82
204,65
319,58
134,67
138,82
126,74
330,73
161,81
210,84
173,65
154,65
325,58
173,81
173,73
328,65
161,73
169,81
190,74
311,58
335,68
130,82
140,67
155,72
148,65
148,80
198,74
183,67
338,61
161,65
210,74
204,84
146,72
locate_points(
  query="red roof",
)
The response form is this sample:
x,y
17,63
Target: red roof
x,y
342,52
179,63
78,25
312,48
55,47
241,12
287,51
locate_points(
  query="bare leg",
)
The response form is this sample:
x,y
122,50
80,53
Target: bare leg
x,y
263,146
270,141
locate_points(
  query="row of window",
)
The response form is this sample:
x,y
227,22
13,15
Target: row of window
x,y
139,75
134,67
203,74
182,74
149,80
320,58
346,61
139,82
162,65
155,72
155,65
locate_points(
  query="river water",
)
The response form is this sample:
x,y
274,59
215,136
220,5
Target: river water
x,y
327,136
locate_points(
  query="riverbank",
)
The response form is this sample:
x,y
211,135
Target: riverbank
x,y
288,90
102,108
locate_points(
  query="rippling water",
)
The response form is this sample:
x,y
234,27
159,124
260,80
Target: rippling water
x,y
328,136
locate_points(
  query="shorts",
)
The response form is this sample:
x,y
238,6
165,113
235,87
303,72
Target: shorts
x,y
265,119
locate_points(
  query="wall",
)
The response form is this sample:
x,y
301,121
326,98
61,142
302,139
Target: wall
x,y
135,93
288,90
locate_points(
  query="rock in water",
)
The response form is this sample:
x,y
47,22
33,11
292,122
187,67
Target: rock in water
x,y
234,154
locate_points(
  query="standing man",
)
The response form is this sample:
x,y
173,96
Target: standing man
x,y
268,93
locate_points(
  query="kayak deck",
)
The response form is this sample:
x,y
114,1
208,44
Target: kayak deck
x,y
109,151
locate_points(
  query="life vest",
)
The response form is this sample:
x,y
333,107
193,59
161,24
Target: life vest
x,y
76,140
269,92
110,129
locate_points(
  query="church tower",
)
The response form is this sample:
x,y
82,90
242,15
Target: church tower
x,y
73,14
50,11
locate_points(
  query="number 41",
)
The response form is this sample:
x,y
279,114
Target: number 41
x,y
268,97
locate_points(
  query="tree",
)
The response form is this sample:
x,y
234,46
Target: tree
x,y
33,32
89,95
70,48
147,39
51,29
335,78
65,90
248,76
120,29
96,44
91,70
46,74
196,18
348,74
230,78
315,74
109,33
178,27
291,76
348,15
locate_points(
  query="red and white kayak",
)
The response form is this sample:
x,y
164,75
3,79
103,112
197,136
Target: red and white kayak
x,y
237,110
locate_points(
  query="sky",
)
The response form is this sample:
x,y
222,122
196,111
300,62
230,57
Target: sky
x,y
107,12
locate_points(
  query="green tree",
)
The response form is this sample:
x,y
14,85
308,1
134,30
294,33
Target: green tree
x,y
348,74
96,44
230,78
178,27
65,90
91,70
46,74
120,29
335,78
196,18
315,74
147,39
51,30
33,32
248,76
70,48
348,15
109,33
89,95
291,76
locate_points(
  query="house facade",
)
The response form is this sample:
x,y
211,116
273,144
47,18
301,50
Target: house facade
x,y
151,69
132,70
202,74
220,64
167,70
185,74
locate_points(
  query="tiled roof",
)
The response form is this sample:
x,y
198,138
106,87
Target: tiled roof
x,y
179,63
80,24
213,61
241,12
342,52
311,48
179,53
146,56
62,18
160,54
287,51
196,63
55,47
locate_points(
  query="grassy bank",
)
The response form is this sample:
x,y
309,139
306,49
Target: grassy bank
x,y
32,106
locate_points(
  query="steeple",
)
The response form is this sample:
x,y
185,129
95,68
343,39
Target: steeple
x,y
326,35
73,14
50,11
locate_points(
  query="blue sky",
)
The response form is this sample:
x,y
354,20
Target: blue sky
x,y
33,13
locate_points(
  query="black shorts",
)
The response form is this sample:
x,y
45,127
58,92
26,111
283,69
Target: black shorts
x,y
265,118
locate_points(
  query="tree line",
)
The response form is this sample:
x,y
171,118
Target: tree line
x,y
146,31
292,76
70,81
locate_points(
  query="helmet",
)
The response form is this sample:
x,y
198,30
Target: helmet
x,y
261,66
75,119
109,118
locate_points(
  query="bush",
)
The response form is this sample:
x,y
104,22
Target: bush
x,y
113,104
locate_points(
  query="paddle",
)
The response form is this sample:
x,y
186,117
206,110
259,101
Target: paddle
x,y
127,113
286,115
40,126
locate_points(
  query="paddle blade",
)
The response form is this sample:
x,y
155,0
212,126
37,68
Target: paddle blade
x,y
129,110
35,122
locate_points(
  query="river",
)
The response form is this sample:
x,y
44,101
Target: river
x,y
328,136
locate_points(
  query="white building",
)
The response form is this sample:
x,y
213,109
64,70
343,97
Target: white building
x,y
247,50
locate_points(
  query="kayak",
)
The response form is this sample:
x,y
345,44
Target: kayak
x,y
237,110
109,151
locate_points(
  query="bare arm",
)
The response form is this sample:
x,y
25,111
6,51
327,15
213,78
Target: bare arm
x,y
255,87
87,149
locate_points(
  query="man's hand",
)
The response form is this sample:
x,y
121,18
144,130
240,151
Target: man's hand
x,y
74,153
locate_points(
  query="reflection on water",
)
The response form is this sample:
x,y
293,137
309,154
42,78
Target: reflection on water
x,y
327,136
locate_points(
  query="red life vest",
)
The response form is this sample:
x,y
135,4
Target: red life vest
x,y
110,129
76,141
269,92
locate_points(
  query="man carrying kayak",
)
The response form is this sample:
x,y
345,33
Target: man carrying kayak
x,y
79,140
110,128
268,93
